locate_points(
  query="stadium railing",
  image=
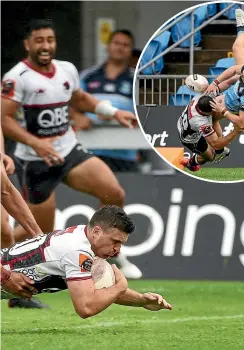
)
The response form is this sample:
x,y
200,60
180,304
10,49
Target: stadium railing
x,y
187,36
155,89
160,83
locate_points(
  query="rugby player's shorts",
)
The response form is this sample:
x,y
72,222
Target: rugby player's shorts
x,y
38,180
199,147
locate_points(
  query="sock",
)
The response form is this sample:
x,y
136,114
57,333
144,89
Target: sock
x,y
193,161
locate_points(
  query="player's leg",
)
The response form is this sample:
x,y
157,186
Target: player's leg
x,y
38,182
202,153
44,214
238,46
7,236
94,177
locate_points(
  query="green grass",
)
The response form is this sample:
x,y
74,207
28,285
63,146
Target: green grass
x,y
219,174
206,315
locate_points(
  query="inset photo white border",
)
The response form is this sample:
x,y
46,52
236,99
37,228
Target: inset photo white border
x,y
135,91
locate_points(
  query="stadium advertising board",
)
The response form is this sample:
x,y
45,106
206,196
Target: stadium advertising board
x,y
159,125
186,228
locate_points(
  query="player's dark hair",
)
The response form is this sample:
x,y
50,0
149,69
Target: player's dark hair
x,y
112,216
204,104
37,24
122,31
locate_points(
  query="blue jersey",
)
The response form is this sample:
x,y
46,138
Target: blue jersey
x,y
234,97
118,92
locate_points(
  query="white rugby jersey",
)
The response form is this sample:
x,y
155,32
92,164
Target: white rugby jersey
x,y
192,125
52,259
44,99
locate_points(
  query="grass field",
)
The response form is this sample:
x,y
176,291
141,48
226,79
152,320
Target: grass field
x,y
206,315
219,174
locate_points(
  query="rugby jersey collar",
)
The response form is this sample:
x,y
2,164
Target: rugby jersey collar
x,y
49,75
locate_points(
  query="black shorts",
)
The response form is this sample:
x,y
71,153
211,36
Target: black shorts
x,y
120,165
198,147
38,180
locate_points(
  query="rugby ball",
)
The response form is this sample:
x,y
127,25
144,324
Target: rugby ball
x,y
196,83
102,274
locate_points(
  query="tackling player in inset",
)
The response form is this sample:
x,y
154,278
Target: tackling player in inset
x,y
199,127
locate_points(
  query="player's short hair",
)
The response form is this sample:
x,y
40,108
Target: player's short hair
x,y
112,216
122,31
36,24
204,104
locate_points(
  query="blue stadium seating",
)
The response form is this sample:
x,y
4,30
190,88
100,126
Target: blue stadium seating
x,y
183,27
163,39
212,10
230,14
183,96
154,48
221,65
201,14
225,62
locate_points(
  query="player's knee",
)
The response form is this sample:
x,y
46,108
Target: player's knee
x,y
7,237
208,157
120,195
211,157
236,47
116,196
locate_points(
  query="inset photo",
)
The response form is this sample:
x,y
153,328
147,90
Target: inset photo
x,y
189,91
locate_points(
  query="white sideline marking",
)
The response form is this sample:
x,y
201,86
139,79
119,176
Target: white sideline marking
x,y
154,320
137,322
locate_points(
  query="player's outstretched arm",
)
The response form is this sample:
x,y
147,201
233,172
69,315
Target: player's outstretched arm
x,y
227,74
150,301
227,83
16,206
88,302
220,142
85,102
217,128
236,119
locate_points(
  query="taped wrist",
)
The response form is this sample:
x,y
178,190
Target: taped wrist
x,y
216,82
224,112
106,109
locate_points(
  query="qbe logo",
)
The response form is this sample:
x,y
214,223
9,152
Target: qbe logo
x,y
51,118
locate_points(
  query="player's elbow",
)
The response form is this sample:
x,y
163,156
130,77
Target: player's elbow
x,y
84,309
217,147
85,312
240,123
